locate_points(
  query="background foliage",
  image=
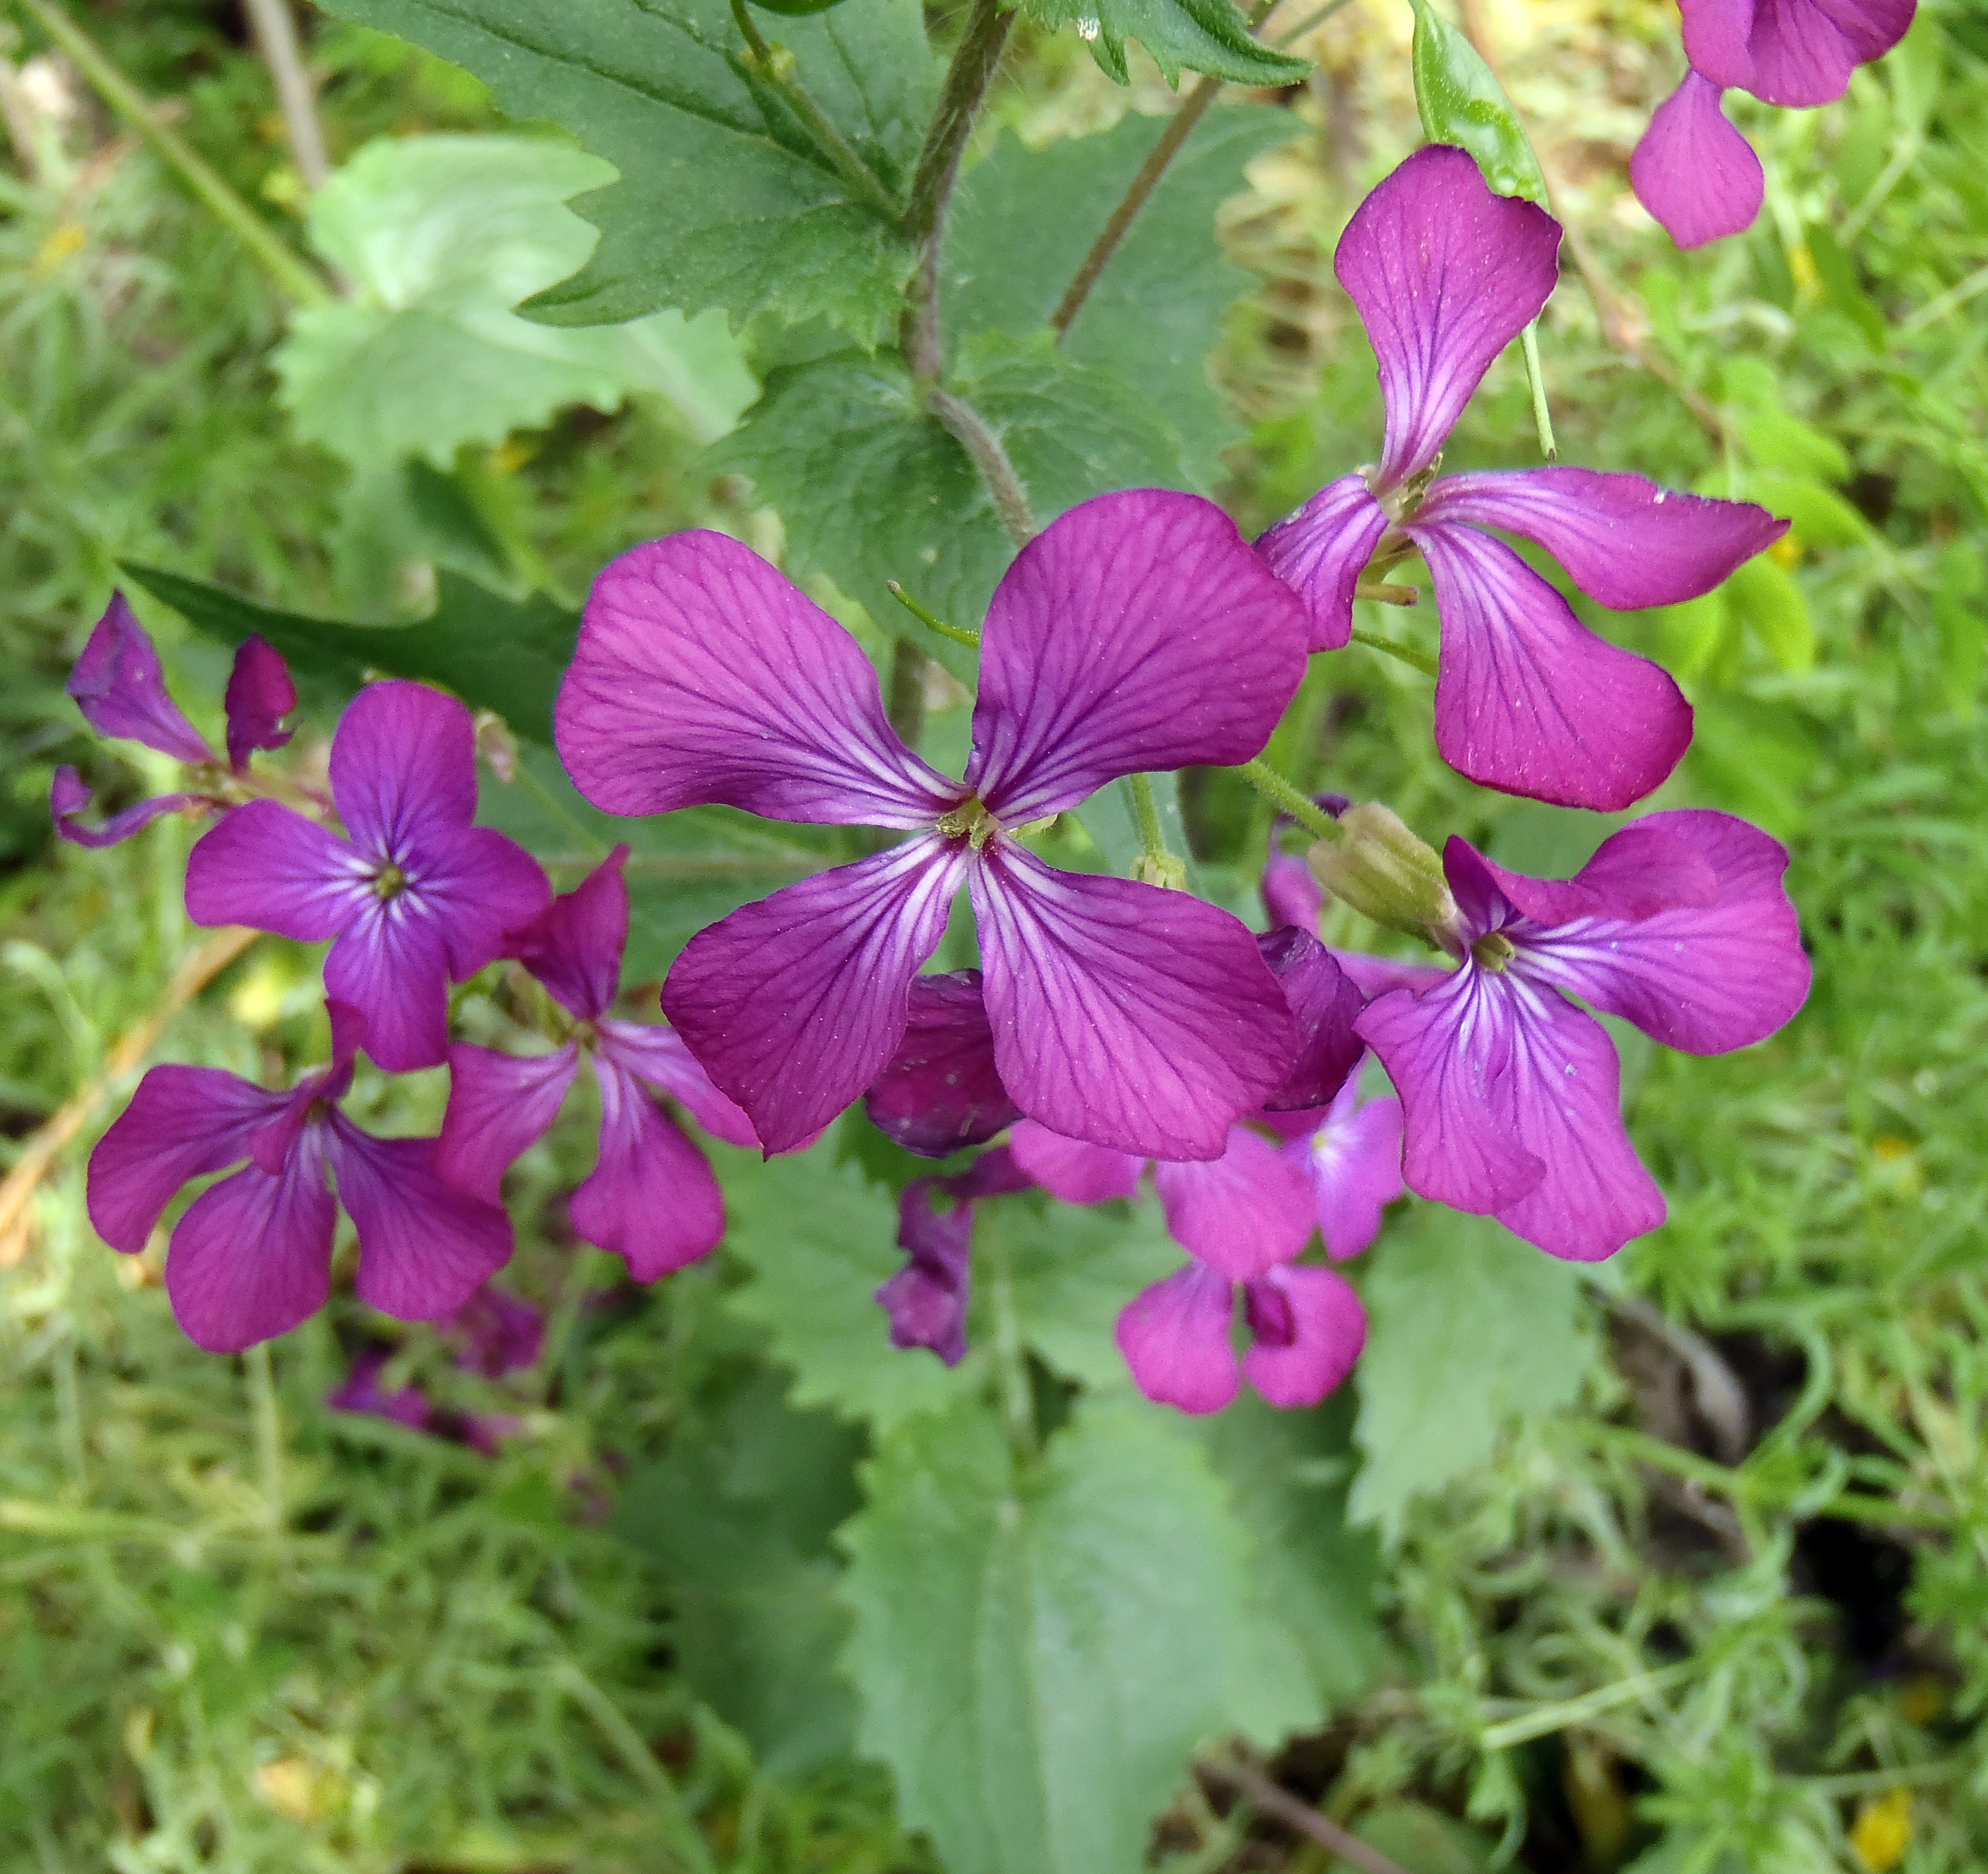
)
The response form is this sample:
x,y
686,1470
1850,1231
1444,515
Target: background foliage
x,y
1681,1566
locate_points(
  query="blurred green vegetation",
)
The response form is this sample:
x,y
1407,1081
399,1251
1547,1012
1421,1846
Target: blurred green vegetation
x,y
238,1632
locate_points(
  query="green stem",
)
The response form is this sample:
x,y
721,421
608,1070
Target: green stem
x,y
295,276
1316,19
906,708
269,1431
775,66
969,430
1529,342
1018,1405
1427,666
1286,798
958,634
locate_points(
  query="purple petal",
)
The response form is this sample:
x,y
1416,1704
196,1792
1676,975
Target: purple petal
x,y
252,1257
652,1199
1130,1016
68,796
1324,1328
1354,1160
1705,977
1174,1336
119,689
499,1107
941,1092
182,1122
266,866
1532,702
997,1173
362,1392
794,1004
504,1333
926,1299
1697,174
1320,551
574,945
1624,542
260,694
1071,1171
1645,868
476,887
1241,1213
1445,274
1095,659
403,767
1798,53
658,1055
1291,895
389,964
1376,975
704,676
424,1246
1324,1002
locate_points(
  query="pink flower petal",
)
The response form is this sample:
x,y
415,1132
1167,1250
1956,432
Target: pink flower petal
x,y
926,1299
266,866
1327,1330
652,1197
182,1122
260,694
424,1246
1324,1002
1445,274
118,686
1532,702
1071,1171
941,1092
252,1257
1125,1015
1320,551
68,796
574,946
794,1004
1645,868
476,887
1693,170
1353,1161
1797,53
403,767
1174,1336
505,1334
1095,659
499,1107
702,675
362,1392
658,1055
390,965
1374,976
1291,895
1624,542
1241,1213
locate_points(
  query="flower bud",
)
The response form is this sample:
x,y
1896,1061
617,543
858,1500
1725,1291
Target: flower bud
x,y
1380,868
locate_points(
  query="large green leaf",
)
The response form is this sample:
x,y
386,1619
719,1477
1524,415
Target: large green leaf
x,y
1205,36
1155,312
871,488
1037,1652
1469,1328
722,200
440,237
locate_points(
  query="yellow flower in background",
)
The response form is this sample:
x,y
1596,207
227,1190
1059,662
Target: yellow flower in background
x,y
1883,1830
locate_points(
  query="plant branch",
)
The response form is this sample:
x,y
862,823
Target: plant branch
x,y
906,708
1287,799
1266,1798
960,96
293,274
970,429
931,620
276,35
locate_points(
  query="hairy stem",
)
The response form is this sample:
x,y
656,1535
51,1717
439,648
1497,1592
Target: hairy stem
x,y
906,708
1287,799
1267,1799
290,272
774,65
970,429
276,35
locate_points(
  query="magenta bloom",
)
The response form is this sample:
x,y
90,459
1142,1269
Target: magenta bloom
x,y
1679,924
1445,274
1694,172
500,1334
415,895
926,1299
118,686
1351,1154
1136,633
252,1257
941,1091
360,1392
651,1197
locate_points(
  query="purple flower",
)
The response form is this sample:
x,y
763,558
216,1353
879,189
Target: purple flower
x,y
1679,924
1136,633
1352,1155
69,796
651,1197
502,1333
941,1091
926,1299
362,1392
251,1256
1445,274
1694,172
260,694
414,896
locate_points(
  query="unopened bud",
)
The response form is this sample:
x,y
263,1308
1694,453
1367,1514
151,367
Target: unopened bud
x,y
1380,868
1162,869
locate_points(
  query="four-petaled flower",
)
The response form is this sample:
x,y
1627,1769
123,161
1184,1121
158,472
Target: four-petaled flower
x,y
1138,632
1693,169
413,896
651,1197
1679,924
1351,1154
1445,274
251,1256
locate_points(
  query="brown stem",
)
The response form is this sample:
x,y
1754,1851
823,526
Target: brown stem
x,y
276,36
970,429
1264,1796
907,706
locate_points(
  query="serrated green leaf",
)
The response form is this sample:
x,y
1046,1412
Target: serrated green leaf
x,y
820,1240
871,488
1155,312
722,200
1204,35
440,237
495,653
1461,102
1468,1328
1036,1656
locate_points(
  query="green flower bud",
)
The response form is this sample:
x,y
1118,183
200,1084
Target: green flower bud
x,y
1380,868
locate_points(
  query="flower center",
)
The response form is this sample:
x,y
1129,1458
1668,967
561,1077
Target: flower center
x,y
1493,951
970,821
1401,503
389,881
